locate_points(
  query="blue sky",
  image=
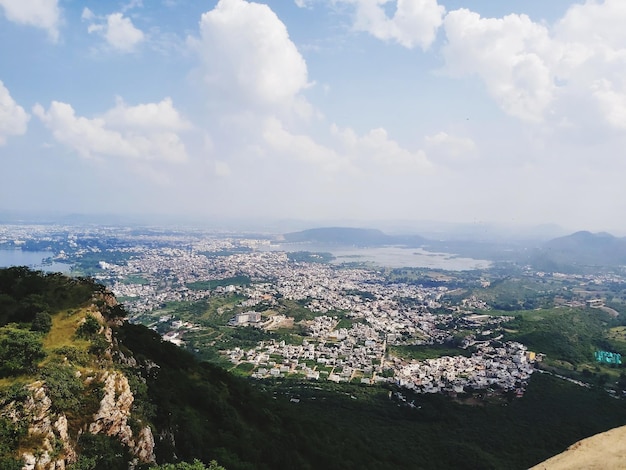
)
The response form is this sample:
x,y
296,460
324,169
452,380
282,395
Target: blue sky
x,y
323,110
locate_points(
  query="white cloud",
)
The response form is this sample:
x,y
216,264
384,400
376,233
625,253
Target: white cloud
x,y
301,147
42,14
451,147
142,139
508,54
247,54
151,116
414,23
119,31
376,149
87,15
569,74
612,102
303,3
13,118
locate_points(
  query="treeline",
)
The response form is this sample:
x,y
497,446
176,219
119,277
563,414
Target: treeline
x,y
24,293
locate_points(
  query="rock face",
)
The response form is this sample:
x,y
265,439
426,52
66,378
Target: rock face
x,y
54,448
51,428
112,417
603,451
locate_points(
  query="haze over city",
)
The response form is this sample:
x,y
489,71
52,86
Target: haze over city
x,y
474,112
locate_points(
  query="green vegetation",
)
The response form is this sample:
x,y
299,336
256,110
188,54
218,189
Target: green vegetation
x,y
196,465
566,334
20,351
421,353
201,411
516,293
100,452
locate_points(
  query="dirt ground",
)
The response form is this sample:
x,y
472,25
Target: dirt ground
x,y
602,451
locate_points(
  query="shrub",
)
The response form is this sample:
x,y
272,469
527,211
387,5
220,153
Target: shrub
x,y
89,327
42,322
20,351
64,388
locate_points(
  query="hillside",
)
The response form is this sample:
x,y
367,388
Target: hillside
x,y
82,389
579,250
347,236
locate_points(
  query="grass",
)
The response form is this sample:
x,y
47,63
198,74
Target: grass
x,y
421,353
618,333
64,326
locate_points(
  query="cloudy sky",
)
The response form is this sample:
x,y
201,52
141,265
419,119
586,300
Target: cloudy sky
x,y
468,111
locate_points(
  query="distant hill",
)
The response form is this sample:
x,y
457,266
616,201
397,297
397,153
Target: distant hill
x,y
352,237
581,249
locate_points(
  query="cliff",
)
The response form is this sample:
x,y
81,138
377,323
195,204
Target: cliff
x,y
63,378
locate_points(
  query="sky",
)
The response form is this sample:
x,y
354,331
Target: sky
x,y
470,111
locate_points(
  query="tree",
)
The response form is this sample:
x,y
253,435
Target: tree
x,y
20,351
42,322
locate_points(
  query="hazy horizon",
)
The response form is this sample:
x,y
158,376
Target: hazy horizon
x,y
380,112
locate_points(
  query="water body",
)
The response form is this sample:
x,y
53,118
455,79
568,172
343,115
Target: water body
x,y
391,256
39,260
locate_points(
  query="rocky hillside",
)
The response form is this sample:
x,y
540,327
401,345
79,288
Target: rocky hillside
x,y
64,389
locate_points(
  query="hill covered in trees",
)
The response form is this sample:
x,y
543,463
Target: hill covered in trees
x,y
82,388
349,236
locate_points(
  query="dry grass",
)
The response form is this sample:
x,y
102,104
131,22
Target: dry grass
x,y
64,326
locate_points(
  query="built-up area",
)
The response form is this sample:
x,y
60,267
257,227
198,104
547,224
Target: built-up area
x,y
376,314
358,318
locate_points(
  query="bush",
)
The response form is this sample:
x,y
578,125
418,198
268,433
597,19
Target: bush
x,y
99,452
196,465
20,351
72,354
89,328
42,322
64,388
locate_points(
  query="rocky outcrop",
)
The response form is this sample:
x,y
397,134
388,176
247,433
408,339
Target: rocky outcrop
x,y
46,429
51,445
112,417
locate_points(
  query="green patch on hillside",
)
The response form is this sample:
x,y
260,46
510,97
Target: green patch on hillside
x,y
565,334
421,353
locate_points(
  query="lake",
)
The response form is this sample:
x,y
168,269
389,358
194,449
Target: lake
x,y
391,256
32,259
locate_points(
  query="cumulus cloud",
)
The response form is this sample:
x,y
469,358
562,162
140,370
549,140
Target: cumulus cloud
x,y
247,53
119,31
162,116
563,73
377,149
42,14
414,23
509,54
13,118
140,136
